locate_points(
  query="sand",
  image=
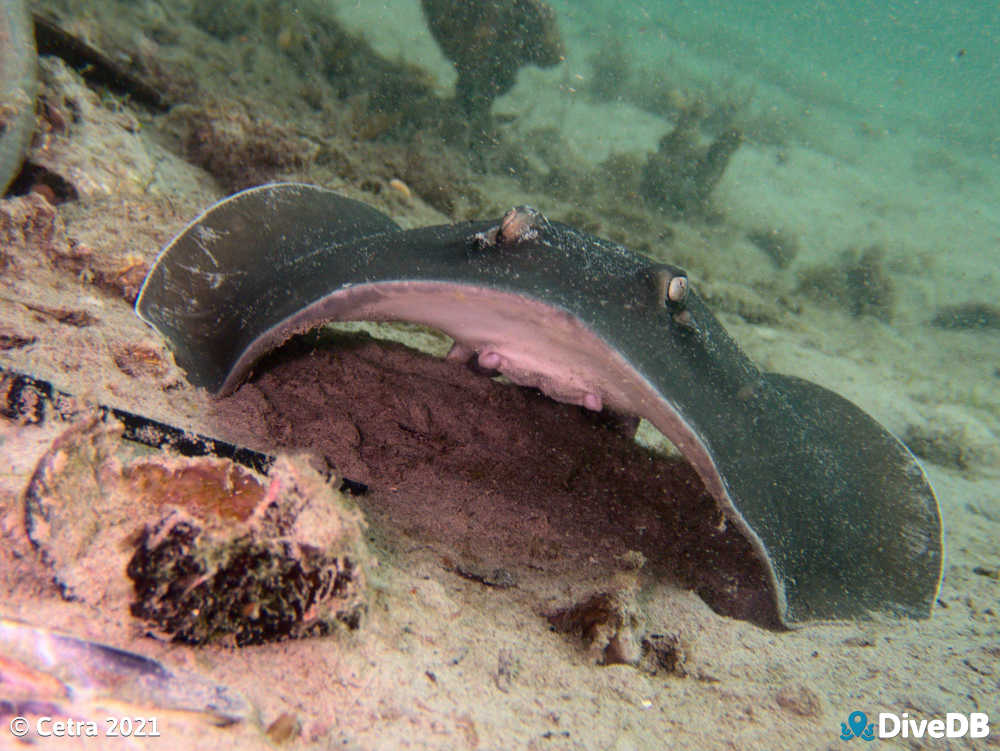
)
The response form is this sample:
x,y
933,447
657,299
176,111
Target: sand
x,y
535,575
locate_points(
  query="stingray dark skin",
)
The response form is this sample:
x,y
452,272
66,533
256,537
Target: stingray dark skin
x,y
836,506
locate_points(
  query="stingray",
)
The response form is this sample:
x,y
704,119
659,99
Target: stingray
x,y
836,507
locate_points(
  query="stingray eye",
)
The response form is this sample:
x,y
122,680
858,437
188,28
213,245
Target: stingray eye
x,y
671,285
677,290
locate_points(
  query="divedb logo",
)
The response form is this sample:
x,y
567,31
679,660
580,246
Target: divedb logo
x,y
890,725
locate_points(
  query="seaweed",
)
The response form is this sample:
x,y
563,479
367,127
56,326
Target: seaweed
x,y
681,175
779,246
233,558
489,42
859,284
610,71
969,315
871,289
237,148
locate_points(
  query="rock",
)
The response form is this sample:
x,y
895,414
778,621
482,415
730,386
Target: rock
x,y
18,87
88,151
237,147
46,671
203,548
72,514
261,564
141,359
952,438
800,700
606,621
667,652
286,728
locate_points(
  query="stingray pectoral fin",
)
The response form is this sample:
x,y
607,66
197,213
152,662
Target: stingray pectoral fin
x,y
211,285
847,519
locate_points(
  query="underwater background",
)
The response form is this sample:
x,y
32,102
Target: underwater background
x,y
903,67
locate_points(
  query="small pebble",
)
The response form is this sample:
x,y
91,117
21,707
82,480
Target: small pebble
x,y
284,729
400,187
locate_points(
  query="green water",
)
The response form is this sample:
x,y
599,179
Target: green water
x,y
932,66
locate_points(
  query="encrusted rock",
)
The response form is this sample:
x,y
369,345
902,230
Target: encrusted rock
x,y
268,563
666,652
607,622
212,550
237,147
72,514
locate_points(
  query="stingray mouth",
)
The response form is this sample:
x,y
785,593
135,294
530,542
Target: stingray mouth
x,y
482,472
